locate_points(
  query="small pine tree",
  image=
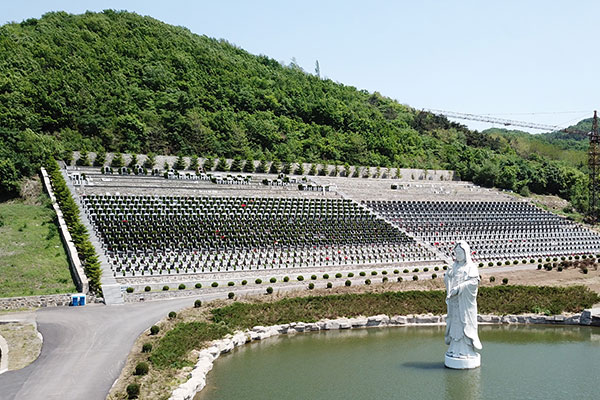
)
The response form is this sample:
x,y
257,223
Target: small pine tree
x,y
356,172
166,166
194,164
313,169
133,162
335,171
150,160
84,159
346,170
323,170
248,166
262,167
117,161
286,168
222,165
275,167
209,164
180,163
100,158
236,165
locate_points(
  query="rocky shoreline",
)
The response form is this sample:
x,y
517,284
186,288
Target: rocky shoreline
x,y
206,357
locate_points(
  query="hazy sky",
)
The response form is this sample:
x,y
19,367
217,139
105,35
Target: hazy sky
x,y
507,58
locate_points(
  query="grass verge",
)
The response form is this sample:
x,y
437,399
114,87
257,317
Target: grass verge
x,y
32,258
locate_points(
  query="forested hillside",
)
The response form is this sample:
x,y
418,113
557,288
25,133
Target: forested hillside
x,y
117,81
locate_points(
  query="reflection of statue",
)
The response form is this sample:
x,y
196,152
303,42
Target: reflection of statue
x,y
461,323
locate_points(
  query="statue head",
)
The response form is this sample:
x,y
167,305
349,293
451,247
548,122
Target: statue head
x,y
462,255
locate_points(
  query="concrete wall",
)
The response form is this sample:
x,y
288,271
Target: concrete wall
x,y
79,278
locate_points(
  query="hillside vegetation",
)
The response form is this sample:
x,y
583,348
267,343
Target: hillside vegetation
x,y
117,81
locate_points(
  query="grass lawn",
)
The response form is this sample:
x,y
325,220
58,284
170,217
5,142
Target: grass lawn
x,y
32,258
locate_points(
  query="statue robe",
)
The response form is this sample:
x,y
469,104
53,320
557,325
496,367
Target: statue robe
x,y
462,308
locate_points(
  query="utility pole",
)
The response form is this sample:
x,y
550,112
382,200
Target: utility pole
x,y
594,169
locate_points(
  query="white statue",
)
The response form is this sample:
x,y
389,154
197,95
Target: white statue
x,y
462,280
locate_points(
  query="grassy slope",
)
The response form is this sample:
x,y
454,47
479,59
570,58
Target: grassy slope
x,y
32,257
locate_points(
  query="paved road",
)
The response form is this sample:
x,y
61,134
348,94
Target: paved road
x,y
84,349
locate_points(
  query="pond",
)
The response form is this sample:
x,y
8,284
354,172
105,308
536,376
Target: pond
x,y
518,362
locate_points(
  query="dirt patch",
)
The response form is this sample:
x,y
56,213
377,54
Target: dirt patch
x,y
31,190
24,343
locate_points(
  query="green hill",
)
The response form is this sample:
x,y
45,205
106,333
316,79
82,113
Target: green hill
x,y
118,81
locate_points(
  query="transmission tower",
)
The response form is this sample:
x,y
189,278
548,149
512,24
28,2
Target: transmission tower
x,y
594,167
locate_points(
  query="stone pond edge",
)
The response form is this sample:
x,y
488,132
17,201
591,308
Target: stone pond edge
x,y
206,357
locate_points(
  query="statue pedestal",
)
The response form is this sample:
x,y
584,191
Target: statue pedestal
x,y
462,363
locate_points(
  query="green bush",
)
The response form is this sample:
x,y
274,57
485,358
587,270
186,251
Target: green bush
x,y
181,286
311,286
230,295
147,289
146,347
313,277
433,276
539,266
425,269
505,281
490,264
130,290
165,288
396,272
399,279
244,282
405,271
325,276
373,273
515,262
415,270
415,278
384,279
258,281
214,284
273,280
350,274
286,278
338,275
348,282
300,278
367,281
445,267
198,303
133,390
154,329
198,285
362,273
269,290
499,263
329,285
384,272
492,279
230,283
172,314
481,265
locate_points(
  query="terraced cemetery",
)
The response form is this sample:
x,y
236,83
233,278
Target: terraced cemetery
x,y
190,229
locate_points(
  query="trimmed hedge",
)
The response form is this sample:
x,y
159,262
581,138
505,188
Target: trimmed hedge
x,y
81,240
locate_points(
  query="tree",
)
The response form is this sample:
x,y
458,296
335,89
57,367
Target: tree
x,y
313,169
180,163
222,165
100,158
249,166
84,159
194,163
133,160
236,165
117,161
9,179
262,166
275,167
150,160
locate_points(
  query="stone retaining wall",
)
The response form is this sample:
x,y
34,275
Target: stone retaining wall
x,y
79,278
206,357
51,300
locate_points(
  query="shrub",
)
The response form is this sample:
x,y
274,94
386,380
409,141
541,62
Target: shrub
x,y
362,273
214,284
165,288
258,281
445,267
524,261
350,274
269,290
515,262
348,282
286,278
133,390
373,273
273,280
311,286
499,263
172,314
504,281
313,277
480,265
492,279
329,285
560,269
384,272
130,290
539,266
399,279
384,279
433,276
507,262
406,271
154,329
415,269
230,283
141,368
533,261
300,278
181,286
396,272
425,269
338,275
147,289
198,303
230,295
367,281
490,264
584,270
146,347
198,285
415,277
325,276
436,269
244,282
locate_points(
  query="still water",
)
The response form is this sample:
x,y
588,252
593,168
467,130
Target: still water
x,y
518,362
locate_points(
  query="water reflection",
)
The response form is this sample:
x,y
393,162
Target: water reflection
x,y
462,384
